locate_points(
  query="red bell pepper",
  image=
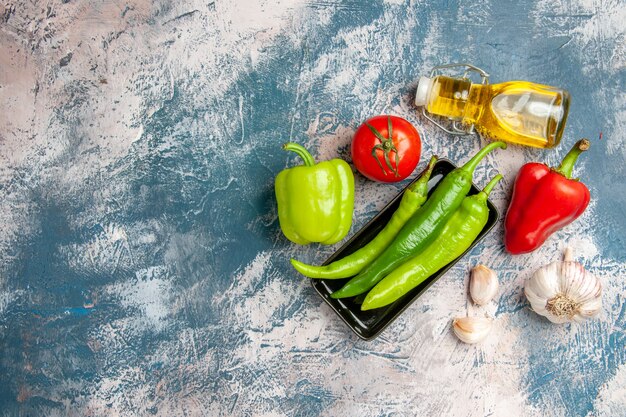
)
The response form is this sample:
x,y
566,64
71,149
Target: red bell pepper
x,y
544,200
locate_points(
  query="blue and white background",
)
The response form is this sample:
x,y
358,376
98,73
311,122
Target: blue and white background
x,y
142,269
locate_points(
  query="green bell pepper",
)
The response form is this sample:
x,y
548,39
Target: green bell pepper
x,y
315,201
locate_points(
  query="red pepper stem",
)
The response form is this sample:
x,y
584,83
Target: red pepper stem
x,y
301,151
470,165
487,190
423,180
567,166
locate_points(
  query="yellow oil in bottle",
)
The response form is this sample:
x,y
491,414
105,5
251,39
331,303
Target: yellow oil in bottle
x,y
516,111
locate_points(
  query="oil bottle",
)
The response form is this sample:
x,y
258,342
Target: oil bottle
x,y
519,112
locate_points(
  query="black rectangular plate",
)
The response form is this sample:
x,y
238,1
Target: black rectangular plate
x,y
369,324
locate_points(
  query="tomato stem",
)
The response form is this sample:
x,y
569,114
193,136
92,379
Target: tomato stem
x,y
386,145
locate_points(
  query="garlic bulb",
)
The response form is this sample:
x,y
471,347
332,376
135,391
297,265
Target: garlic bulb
x,y
564,291
471,329
483,284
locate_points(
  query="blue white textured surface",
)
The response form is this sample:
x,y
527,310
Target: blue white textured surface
x,y
142,270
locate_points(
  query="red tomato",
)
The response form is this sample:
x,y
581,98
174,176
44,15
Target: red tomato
x,y
403,150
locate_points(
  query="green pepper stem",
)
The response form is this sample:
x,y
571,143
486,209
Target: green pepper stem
x,y
482,196
570,159
492,183
423,180
471,165
301,151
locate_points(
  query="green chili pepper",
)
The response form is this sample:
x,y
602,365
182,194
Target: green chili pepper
x,y
315,202
411,201
422,228
456,236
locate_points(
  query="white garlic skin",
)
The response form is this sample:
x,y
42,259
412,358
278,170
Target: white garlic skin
x,y
472,329
483,284
564,291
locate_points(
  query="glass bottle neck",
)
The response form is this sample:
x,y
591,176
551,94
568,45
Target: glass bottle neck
x,y
456,98
475,105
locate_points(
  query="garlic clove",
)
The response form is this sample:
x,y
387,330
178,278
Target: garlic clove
x,y
483,284
588,309
543,283
472,329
